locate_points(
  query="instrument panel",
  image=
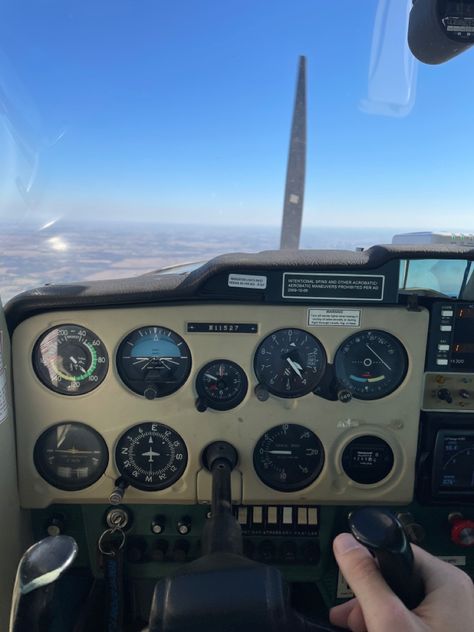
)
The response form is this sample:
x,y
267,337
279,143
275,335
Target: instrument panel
x,y
137,393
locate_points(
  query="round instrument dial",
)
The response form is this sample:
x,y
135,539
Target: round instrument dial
x,y
151,456
221,384
290,362
371,364
71,456
153,361
367,460
70,359
288,457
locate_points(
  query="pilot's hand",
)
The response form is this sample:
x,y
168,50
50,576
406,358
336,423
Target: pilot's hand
x,y
448,605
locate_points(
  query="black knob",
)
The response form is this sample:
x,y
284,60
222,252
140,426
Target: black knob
x,y
344,396
150,392
158,554
180,551
55,525
311,553
382,533
184,525
136,550
158,525
445,395
288,552
266,551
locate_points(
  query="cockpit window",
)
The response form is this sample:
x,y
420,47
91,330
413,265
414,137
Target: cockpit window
x,y
451,278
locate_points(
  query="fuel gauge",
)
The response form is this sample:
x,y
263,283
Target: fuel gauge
x,y
71,456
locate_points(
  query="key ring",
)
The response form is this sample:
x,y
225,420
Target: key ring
x,y
112,551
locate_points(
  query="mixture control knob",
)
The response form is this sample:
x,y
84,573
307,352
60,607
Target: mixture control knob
x,y
462,530
444,395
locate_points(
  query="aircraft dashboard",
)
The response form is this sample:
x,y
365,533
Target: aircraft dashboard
x,y
103,387
336,389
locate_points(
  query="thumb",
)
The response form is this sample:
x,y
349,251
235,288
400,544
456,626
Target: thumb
x,y
379,604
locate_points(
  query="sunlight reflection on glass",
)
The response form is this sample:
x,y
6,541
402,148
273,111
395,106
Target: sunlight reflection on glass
x,y
393,69
58,243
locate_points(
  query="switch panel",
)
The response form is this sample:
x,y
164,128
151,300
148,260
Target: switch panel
x,y
452,392
284,520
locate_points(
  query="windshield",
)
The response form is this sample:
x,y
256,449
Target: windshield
x,y
137,135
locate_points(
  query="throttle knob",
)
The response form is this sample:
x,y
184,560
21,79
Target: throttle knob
x,y
462,530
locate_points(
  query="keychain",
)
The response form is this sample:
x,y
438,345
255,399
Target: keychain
x,y
111,544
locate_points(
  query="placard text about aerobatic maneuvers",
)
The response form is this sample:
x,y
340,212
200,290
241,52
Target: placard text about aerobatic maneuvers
x,y
334,287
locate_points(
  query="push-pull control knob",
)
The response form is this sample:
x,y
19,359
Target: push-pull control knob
x,y
383,534
462,530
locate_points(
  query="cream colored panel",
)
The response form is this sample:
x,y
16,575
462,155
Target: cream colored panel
x,y
11,544
450,392
112,408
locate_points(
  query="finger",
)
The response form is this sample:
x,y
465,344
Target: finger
x,y
340,614
434,572
348,615
363,575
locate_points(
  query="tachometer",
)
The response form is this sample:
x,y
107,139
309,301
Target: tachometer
x,y
290,362
151,456
70,359
288,457
371,364
153,361
71,456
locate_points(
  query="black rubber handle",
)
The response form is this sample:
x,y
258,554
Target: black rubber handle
x,y
383,534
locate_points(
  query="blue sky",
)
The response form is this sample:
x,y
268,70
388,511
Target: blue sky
x,y
180,111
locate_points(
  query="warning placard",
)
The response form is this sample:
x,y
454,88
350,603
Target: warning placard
x,y
333,317
335,287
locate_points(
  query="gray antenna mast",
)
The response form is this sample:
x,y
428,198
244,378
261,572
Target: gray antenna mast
x,y
295,173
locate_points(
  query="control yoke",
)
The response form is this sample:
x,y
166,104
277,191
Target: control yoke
x,y
40,567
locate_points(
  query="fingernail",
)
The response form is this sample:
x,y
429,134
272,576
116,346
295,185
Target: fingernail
x,y
345,542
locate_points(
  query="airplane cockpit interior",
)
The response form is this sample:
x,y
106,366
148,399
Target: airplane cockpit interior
x,y
180,448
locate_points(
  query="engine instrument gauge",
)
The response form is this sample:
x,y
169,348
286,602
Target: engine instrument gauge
x,y
70,359
153,361
221,384
71,456
367,459
290,362
371,364
453,471
151,456
288,457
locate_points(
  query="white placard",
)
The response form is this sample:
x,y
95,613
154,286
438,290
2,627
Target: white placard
x,y
333,317
249,281
343,589
455,560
